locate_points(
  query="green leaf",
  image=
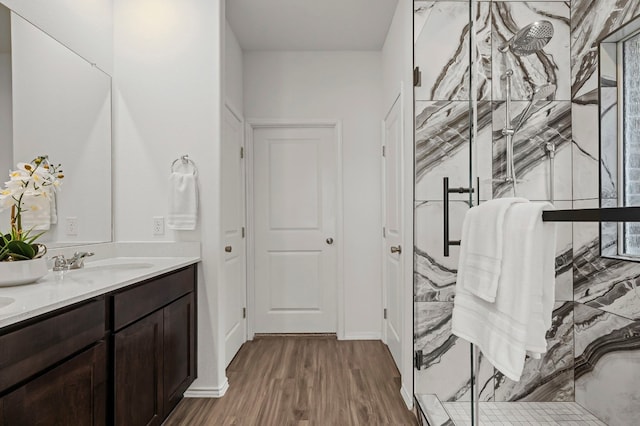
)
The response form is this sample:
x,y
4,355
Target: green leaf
x,y
20,249
4,240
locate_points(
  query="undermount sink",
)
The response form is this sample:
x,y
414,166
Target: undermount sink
x,y
6,301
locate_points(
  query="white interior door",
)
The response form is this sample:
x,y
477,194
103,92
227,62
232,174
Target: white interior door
x,y
393,213
294,217
233,220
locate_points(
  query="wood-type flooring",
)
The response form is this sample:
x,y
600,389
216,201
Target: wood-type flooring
x,y
304,380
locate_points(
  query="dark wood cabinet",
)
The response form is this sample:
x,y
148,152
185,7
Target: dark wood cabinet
x,y
138,372
179,350
73,393
124,358
154,354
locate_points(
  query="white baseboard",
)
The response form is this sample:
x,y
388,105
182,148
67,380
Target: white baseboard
x,y
207,392
371,335
408,398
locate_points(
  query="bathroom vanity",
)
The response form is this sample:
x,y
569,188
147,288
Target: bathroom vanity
x,y
114,343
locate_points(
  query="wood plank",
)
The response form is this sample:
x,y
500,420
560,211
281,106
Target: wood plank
x,y
304,380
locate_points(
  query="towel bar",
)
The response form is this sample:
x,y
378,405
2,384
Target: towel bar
x,y
185,160
606,214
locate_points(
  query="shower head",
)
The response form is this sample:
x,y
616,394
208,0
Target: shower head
x,y
543,92
530,39
539,93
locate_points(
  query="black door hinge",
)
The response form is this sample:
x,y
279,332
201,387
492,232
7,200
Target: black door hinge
x,y
417,77
418,358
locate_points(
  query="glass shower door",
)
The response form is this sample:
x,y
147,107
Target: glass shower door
x,y
444,113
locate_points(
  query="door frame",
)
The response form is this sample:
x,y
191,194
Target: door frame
x,y
250,126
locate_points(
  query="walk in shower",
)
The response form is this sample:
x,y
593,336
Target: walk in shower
x,y
506,104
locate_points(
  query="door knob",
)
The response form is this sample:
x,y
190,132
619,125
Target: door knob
x,y
329,240
396,249
228,249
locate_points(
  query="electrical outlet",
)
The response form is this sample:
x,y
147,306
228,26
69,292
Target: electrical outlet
x,y
72,226
158,225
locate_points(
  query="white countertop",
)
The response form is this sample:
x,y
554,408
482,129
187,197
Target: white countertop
x,y
57,290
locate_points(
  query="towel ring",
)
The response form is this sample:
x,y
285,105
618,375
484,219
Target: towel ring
x,y
186,161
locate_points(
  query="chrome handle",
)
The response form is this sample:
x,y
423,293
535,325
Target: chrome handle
x,y
396,249
228,249
329,240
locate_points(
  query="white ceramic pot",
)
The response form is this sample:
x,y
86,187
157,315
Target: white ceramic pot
x,y
22,271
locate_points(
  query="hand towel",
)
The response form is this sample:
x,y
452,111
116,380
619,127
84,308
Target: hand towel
x,y
505,330
481,255
37,213
53,207
183,201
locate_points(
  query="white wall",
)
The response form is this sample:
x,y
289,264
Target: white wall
x,y
345,86
86,27
167,97
233,71
397,64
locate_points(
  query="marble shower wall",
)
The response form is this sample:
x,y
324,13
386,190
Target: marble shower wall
x,y
444,148
607,308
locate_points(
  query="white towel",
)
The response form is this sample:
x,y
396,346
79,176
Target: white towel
x,y
53,208
183,201
516,324
36,214
481,255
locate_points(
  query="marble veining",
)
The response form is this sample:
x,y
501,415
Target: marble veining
x,y
442,50
590,21
549,65
607,351
550,378
585,150
443,145
442,130
446,369
432,280
605,283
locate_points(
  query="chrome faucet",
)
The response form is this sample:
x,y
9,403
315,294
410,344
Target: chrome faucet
x,y
75,262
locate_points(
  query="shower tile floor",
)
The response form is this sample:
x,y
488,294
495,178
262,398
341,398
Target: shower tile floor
x,y
522,413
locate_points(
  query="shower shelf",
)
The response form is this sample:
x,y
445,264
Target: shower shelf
x,y
608,214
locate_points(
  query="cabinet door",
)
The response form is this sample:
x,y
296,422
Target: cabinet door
x,y
179,349
138,372
74,393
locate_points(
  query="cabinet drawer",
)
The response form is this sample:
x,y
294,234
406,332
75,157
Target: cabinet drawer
x,y
33,348
134,303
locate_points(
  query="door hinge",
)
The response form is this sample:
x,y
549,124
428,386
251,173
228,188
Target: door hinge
x,y
417,77
243,232
244,312
241,152
418,359
384,151
384,313
384,232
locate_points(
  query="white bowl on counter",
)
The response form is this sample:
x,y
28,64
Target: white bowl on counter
x,y
21,272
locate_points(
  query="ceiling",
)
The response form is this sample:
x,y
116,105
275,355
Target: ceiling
x,y
310,24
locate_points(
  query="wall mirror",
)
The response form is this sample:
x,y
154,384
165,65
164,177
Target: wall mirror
x,y
619,87
54,102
